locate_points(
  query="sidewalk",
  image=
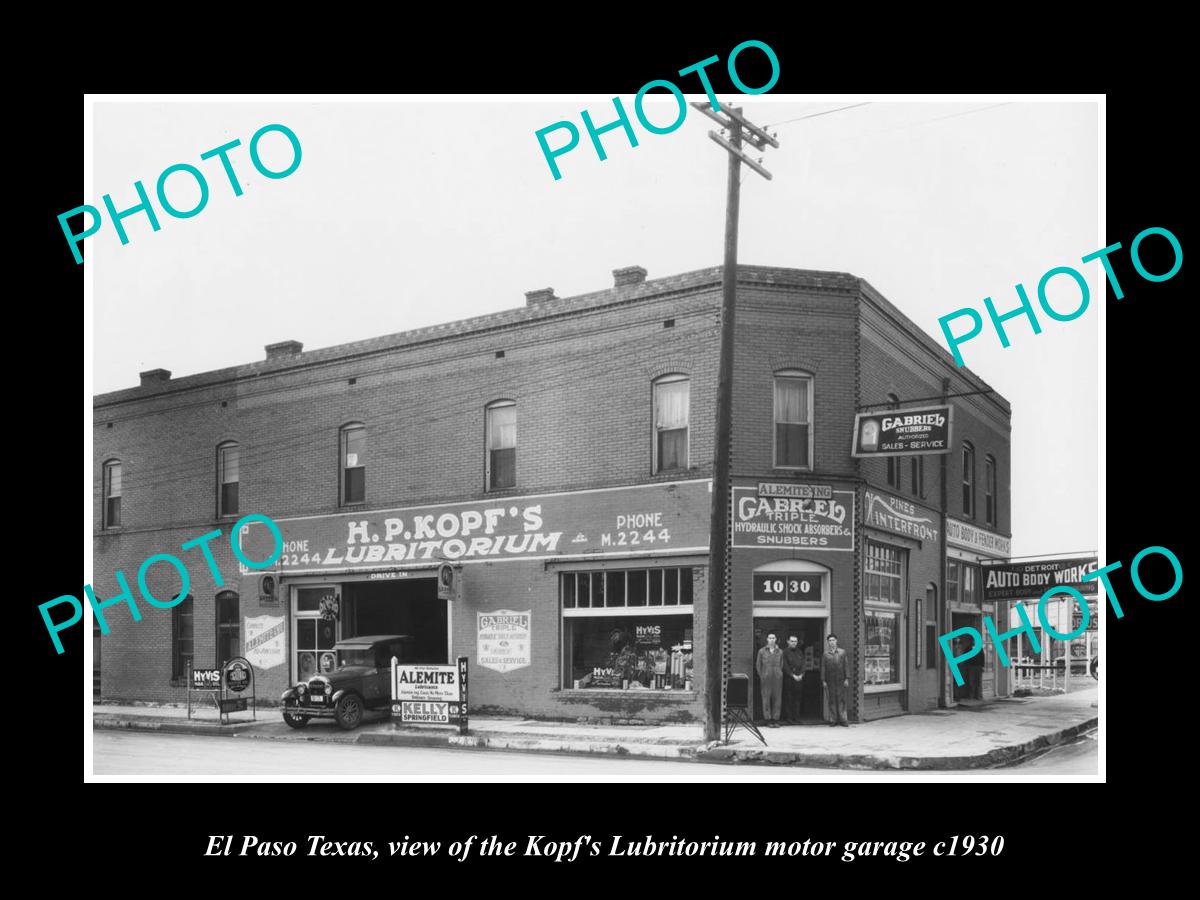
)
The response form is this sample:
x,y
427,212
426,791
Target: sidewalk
x,y
990,734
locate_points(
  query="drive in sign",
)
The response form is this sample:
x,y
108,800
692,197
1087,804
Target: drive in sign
x,y
908,432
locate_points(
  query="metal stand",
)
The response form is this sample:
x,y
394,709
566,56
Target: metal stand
x,y
737,707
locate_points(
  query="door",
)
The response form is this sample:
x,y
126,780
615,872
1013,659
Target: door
x,y
810,634
314,631
229,627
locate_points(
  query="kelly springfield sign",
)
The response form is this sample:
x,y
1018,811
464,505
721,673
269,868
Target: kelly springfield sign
x,y
503,639
656,518
909,432
899,516
1029,580
430,695
788,523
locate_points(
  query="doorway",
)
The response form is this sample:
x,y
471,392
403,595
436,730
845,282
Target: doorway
x,y
810,633
972,673
401,606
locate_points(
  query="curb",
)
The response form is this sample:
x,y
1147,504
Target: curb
x,y
995,758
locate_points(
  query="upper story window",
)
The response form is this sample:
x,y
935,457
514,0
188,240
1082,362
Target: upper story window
x,y
501,444
793,420
112,494
354,463
893,462
918,476
989,489
228,460
671,401
968,479
181,638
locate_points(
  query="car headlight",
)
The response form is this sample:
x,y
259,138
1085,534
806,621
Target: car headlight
x,y
300,688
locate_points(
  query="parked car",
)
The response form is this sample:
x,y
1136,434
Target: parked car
x,y
359,681
1096,667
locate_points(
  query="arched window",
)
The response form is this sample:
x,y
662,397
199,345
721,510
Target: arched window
x,y
793,419
353,463
111,516
893,462
968,479
989,489
181,638
671,405
228,463
501,443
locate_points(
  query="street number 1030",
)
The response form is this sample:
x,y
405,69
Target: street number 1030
x,y
793,586
964,845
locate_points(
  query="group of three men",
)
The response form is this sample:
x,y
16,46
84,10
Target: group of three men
x,y
781,673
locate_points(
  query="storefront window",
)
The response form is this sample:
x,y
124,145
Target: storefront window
x,y
882,647
627,629
883,596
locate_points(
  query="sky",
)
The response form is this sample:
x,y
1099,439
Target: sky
x,y
426,210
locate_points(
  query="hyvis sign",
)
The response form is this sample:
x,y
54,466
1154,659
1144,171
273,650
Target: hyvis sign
x,y
617,521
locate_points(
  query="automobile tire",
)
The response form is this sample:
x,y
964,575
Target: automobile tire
x,y
1096,668
294,720
349,711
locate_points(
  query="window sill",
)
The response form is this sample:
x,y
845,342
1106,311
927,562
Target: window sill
x,y
583,693
882,688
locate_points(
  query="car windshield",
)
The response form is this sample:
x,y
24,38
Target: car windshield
x,y
357,656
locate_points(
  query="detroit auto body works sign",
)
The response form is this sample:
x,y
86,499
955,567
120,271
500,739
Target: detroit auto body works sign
x,y
655,518
430,695
1029,580
502,639
793,516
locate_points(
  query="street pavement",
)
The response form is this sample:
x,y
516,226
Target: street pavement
x,y
181,757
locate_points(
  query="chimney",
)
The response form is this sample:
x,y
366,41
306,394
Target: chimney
x,y
539,296
283,349
154,376
628,275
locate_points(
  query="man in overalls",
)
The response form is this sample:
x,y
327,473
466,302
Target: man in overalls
x,y
836,678
769,666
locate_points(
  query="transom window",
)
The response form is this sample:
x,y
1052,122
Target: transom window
x,y
883,573
626,589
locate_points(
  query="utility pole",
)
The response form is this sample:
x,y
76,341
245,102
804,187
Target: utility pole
x,y
718,564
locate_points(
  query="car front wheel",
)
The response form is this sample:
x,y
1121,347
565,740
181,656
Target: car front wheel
x,y
349,711
1096,668
294,720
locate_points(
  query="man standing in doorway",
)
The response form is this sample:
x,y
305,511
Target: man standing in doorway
x,y
836,679
769,667
793,673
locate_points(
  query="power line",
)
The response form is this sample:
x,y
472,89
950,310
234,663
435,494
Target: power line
x,y
825,112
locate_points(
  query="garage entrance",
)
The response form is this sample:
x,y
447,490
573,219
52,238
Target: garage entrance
x,y
403,606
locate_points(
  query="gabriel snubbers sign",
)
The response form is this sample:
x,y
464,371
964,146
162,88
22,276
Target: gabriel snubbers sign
x,y
902,432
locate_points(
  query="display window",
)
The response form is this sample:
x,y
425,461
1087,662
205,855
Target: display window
x,y
884,580
627,629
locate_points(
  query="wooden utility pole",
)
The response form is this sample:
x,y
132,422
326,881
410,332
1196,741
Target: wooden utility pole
x,y
718,586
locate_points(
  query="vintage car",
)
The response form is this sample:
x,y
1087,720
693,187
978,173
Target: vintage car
x,y
359,681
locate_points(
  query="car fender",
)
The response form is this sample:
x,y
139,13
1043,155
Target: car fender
x,y
338,696
289,694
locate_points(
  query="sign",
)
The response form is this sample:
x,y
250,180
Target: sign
x,y
265,639
799,587
964,534
425,683
1029,580
237,676
893,514
903,432
448,582
206,679
428,713
431,695
782,523
657,518
234,704
791,489
503,639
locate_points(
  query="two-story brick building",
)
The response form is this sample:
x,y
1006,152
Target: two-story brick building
x,y
561,455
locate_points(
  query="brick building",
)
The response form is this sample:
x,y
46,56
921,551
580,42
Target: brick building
x,y
560,454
